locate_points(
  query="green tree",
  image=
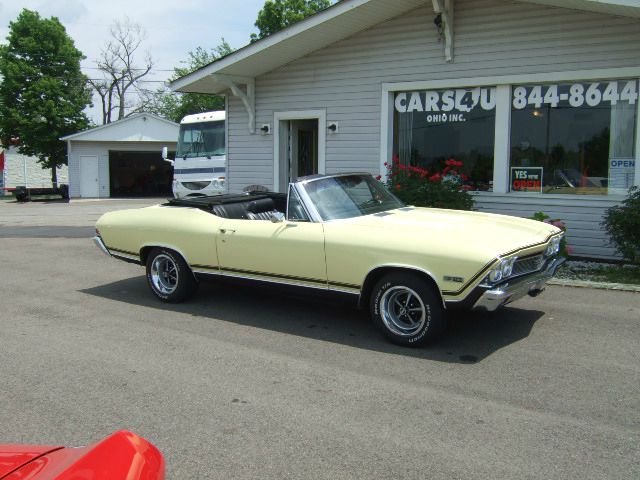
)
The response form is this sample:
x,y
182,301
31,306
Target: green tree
x,y
43,92
175,106
278,14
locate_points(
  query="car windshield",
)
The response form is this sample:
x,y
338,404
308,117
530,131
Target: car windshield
x,y
349,196
205,139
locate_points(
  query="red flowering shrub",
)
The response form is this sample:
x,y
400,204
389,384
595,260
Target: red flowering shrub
x,y
430,188
565,249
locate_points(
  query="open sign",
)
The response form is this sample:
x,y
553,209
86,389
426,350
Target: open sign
x,y
526,179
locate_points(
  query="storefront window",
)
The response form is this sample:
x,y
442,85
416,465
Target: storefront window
x,y
431,127
576,138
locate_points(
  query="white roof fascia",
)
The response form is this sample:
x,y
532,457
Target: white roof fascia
x,y
75,136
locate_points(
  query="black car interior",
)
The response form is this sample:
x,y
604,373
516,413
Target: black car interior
x,y
249,206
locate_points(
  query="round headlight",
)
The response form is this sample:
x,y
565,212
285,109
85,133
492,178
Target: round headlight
x,y
553,247
507,268
550,249
557,244
496,274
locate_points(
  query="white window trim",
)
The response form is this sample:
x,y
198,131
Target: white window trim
x,y
502,143
321,116
502,147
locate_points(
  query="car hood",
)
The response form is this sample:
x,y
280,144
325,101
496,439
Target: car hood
x,y
488,233
13,457
121,455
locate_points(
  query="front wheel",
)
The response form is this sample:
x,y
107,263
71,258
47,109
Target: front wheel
x,y
169,276
407,309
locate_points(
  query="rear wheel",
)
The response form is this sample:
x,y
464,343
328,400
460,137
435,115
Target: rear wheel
x,y
169,276
407,309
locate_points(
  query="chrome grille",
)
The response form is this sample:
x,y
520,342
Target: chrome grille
x,y
527,265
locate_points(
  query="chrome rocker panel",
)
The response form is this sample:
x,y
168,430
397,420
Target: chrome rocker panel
x,y
511,291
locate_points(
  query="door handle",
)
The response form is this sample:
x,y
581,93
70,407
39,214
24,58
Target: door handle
x,y
226,230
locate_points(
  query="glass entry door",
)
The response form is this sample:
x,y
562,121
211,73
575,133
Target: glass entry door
x,y
298,150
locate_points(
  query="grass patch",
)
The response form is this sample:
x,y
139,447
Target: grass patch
x,y
600,272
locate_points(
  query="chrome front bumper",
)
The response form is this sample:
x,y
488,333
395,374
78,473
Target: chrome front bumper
x,y
100,244
511,291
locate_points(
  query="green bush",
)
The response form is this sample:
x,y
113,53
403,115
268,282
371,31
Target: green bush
x,y
622,223
436,188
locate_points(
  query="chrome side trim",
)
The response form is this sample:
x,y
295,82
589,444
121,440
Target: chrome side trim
x,y
125,256
100,244
343,290
290,283
260,278
511,291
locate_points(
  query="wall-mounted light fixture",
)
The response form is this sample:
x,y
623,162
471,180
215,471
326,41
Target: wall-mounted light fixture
x,y
333,127
437,21
265,129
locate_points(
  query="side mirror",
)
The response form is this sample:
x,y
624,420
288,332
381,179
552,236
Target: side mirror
x,y
277,217
165,154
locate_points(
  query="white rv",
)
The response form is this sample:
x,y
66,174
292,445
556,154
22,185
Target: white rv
x,y
200,166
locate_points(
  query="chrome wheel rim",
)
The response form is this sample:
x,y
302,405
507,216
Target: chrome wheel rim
x,y
164,274
402,310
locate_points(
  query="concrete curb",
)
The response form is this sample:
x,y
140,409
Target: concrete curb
x,y
623,287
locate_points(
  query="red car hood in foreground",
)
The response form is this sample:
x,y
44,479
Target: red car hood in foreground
x,y
123,455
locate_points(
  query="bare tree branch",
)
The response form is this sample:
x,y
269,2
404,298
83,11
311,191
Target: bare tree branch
x,y
120,70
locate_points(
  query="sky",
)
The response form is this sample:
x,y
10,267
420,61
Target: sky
x,y
173,27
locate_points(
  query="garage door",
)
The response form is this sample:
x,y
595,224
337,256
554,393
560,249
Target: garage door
x,y
139,174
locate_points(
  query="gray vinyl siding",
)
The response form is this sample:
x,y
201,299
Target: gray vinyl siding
x,y
492,38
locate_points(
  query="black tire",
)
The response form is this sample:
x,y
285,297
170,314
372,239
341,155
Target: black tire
x,y
64,191
169,276
407,309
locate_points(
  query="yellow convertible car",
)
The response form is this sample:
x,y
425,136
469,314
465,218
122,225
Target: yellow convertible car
x,y
344,234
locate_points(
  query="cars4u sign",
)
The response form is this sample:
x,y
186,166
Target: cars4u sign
x,y
526,179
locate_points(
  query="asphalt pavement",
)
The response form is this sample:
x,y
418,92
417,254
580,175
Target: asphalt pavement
x,y
248,383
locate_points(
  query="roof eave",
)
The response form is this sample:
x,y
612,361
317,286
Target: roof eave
x,y
242,61
182,84
77,135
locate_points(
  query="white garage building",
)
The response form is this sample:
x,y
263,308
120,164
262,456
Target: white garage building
x,y
122,159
